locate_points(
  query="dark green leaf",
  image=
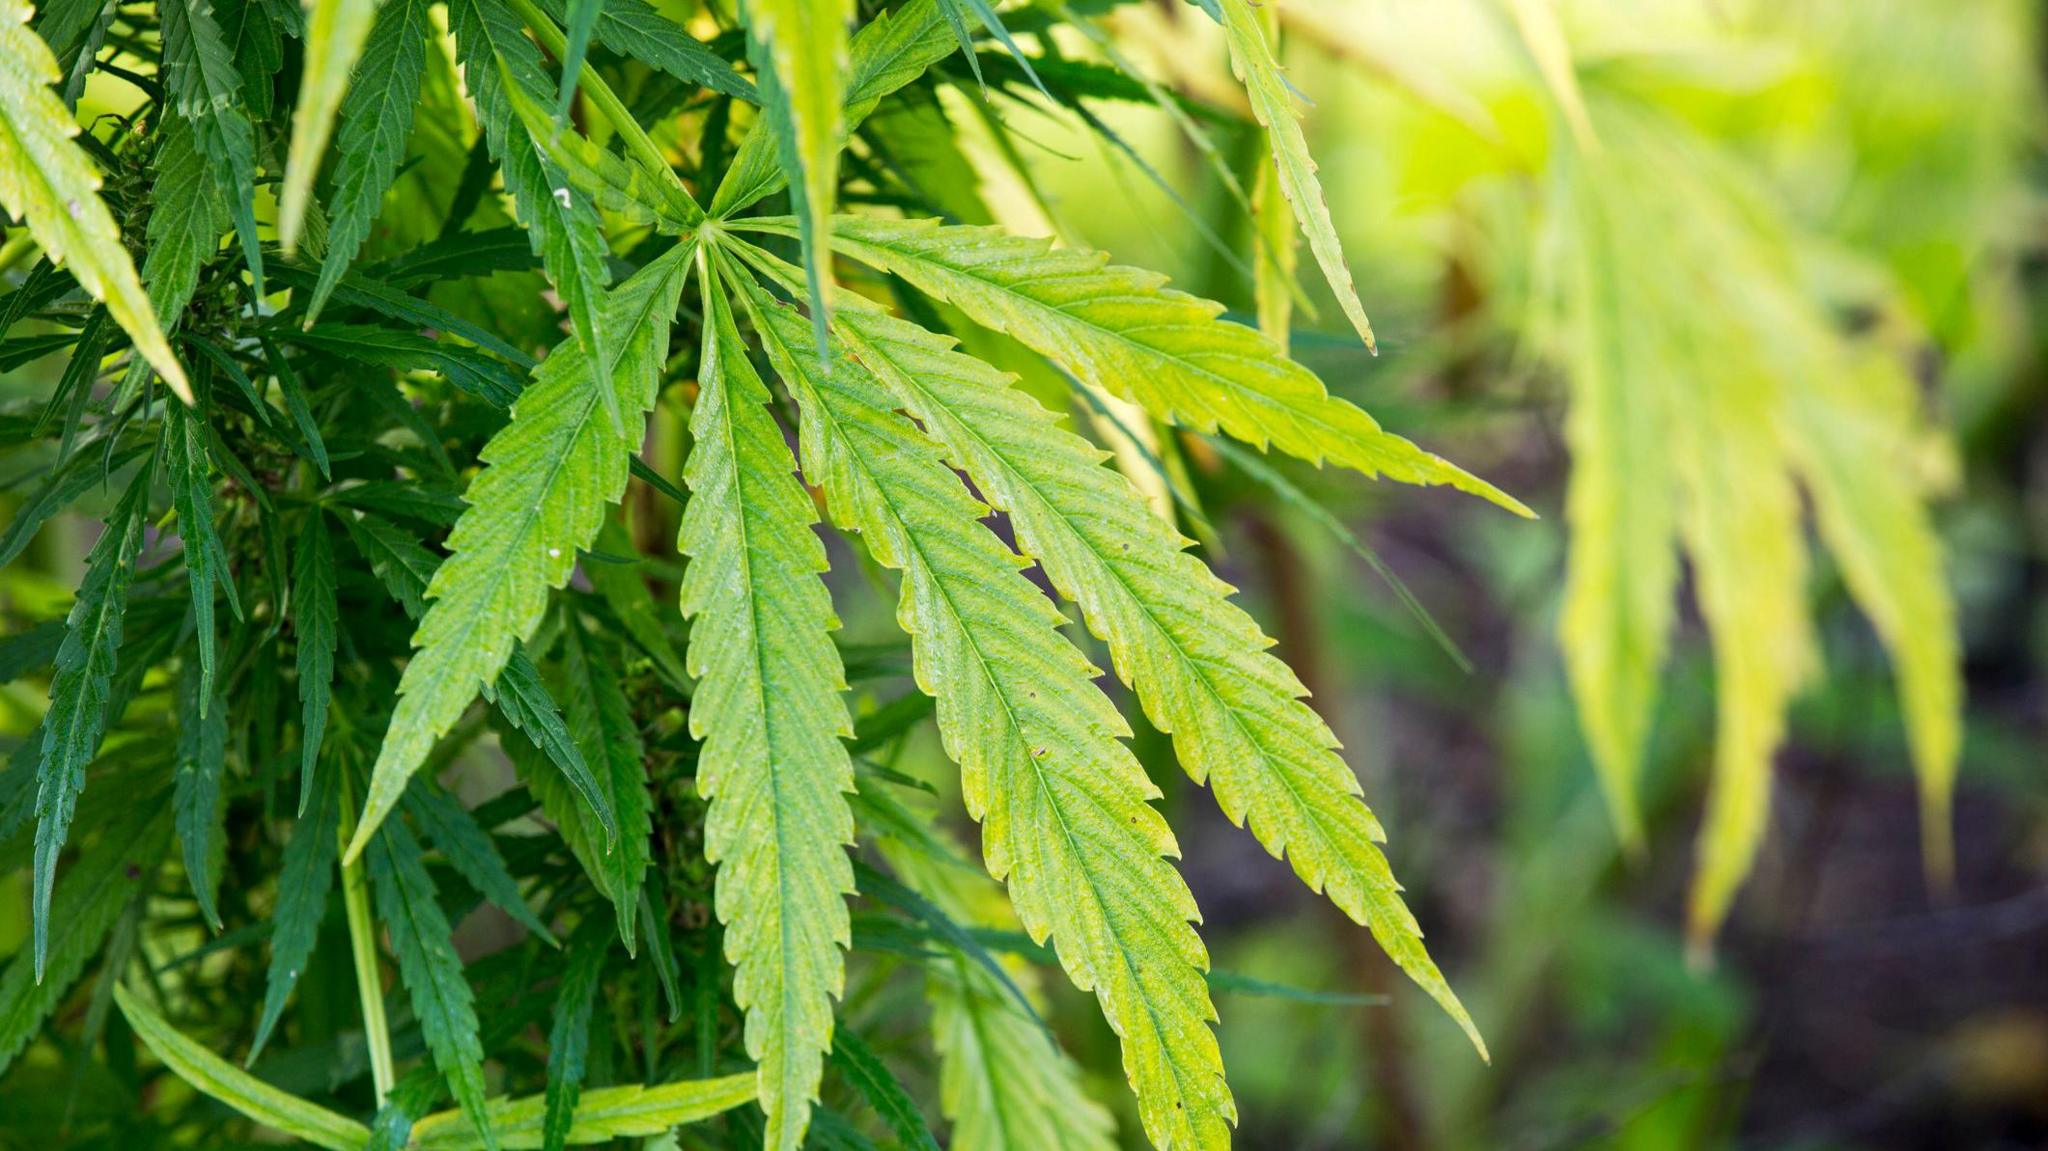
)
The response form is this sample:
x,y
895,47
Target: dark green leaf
x,y
302,888
196,795
569,1036
441,998
865,1070
79,693
315,619
469,850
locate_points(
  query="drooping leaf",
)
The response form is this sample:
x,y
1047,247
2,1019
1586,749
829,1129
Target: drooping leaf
x,y
405,566
1875,522
449,827
1740,522
79,693
215,1077
188,465
46,180
1003,1082
540,498
106,879
602,1115
196,793
1254,58
296,403
188,212
569,1036
1701,404
773,722
302,888
602,723
1123,330
523,699
860,1066
1198,663
315,622
376,116
432,972
336,31
1062,802
1622,570
625,591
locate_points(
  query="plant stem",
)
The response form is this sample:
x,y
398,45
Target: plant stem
x,y
637,140
362,938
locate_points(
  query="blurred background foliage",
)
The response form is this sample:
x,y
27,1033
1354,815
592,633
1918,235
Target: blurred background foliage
x,y
1880,164
1872,169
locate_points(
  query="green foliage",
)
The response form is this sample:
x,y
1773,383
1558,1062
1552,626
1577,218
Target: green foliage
x,y
1253,58
769,710
47,180
216,1077
1062,802
572,705
1700,412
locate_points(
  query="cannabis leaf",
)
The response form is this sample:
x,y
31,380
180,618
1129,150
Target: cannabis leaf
x,y
602,1115
302,888
1121,329
1197,661
800,49
216,1077
79,693
421,938
1062,802
768,710
1715,467
1003,1082
376,115
889,52
46,180
107,878
196,792
541,496
497,60
199,71
1253,57
315,623
602,725
336,32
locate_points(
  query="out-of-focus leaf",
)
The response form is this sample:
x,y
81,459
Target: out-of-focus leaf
x,y
602,1115
335,34
376,116
213,1076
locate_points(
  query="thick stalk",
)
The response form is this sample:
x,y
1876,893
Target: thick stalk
x,y
362,939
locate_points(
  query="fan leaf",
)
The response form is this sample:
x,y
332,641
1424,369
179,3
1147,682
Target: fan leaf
x,y
547,479
769,710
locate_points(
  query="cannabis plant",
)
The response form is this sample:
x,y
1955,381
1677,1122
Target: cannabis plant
x,y
462,384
